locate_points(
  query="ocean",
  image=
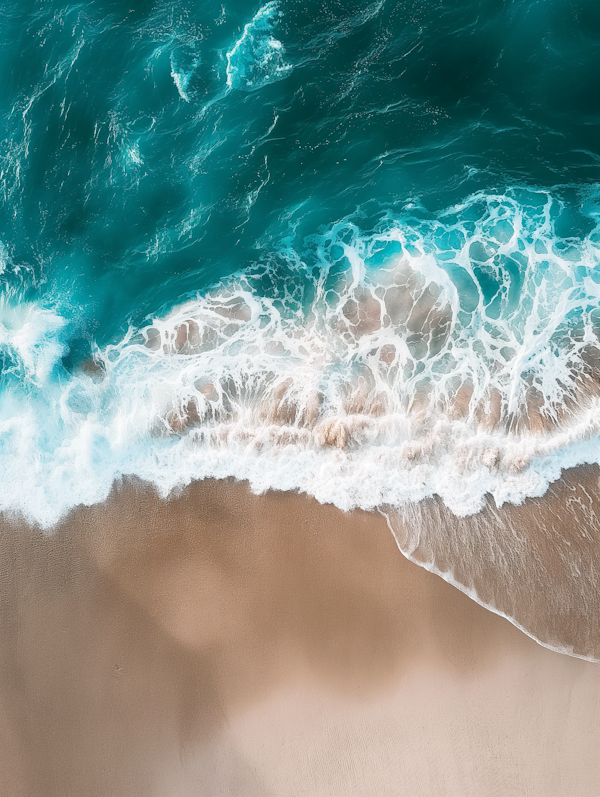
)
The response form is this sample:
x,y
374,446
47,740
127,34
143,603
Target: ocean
x,y
346,248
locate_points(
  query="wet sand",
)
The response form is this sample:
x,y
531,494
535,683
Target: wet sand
x,y
223,643
537,563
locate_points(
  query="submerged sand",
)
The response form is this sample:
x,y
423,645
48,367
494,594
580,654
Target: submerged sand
x,y
223,643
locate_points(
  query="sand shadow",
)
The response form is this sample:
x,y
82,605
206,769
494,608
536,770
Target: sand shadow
x,y
133,633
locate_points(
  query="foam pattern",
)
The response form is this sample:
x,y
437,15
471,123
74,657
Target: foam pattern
x,y
257,57
453,355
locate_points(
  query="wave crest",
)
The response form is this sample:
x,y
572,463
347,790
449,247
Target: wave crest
x,y
454,355
257,57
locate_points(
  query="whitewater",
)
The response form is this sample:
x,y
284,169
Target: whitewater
x,y
349,249
454,356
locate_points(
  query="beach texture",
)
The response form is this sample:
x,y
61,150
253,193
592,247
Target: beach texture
x,y
224,643
299,398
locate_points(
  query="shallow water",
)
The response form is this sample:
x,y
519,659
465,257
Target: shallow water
x,y
346,248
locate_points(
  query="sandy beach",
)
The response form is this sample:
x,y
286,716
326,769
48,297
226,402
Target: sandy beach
x,y
299,398
223,643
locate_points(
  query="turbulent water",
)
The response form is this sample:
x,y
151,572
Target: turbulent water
x,y
344,247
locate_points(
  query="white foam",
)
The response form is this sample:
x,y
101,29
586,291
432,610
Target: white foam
x,y
31,339
182,76
257,57
387,374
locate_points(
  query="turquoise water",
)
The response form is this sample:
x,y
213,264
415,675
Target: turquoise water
x,y
349,248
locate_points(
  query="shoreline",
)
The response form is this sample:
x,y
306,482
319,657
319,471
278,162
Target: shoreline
x,y
222,642
536,564
412,527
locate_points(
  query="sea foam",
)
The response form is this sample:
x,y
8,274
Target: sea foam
x,y
453,356
257,57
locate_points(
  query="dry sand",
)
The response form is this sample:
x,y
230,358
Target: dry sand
x,y
227,644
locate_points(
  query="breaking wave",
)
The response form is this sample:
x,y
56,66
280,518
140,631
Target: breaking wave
x,y
257,57
453,355
344,248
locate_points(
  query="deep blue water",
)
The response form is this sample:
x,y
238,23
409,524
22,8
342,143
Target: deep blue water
x,y
344,247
